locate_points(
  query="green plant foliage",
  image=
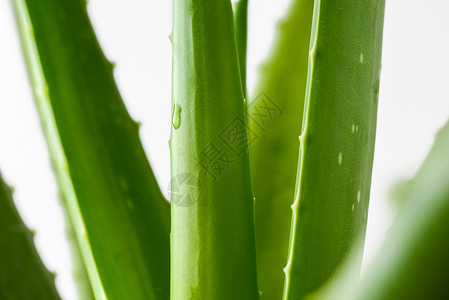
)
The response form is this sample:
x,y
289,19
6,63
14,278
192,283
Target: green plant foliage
x,y
67,196
120,217
212,237
275,115
337,141
310,213
22,273
414,262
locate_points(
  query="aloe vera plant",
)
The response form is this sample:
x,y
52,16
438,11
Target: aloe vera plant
x,y
22,274
212,235
275,114
119,214
218,240
336,142
417,242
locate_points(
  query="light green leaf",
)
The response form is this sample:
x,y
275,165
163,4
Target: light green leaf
x,y
275,115
119,215
212,237
23,276
337,141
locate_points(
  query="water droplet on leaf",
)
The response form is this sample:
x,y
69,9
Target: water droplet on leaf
x,y
176,115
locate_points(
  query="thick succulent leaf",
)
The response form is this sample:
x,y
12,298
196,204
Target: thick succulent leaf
x,y
23,276
337,141
212,237
275,115
120,217
68,201
414,262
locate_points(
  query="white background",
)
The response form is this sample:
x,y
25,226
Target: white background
x,y
413,103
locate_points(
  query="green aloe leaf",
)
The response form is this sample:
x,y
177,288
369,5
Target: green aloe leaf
x,y
119,215
413,263
275,115
337,141
22,274
212,237
67,197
